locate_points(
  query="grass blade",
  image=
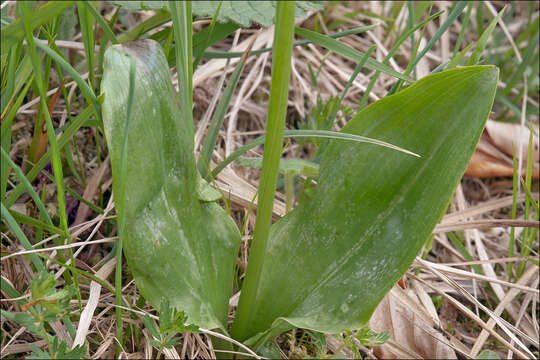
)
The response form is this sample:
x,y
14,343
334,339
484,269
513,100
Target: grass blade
x,y
14,32
28,220
56,160
36,169
27,186
55,149
464,27
5,132
233,54
6,215
482,41
107,31
87,32
353,76
391,53
453,16
85,89
348,52
208,37
324,134
528,57
456,60
160,18
217,121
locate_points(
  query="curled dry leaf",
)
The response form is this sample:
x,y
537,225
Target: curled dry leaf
x,y
411,329
493,155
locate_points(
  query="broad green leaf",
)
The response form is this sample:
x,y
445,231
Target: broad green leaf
x,y
178,247
241,12
332,259
14,32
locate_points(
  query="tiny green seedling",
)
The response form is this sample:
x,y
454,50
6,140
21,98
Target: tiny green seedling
x,y
171,323
44,306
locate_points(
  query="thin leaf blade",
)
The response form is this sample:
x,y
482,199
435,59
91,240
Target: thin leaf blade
x,y
347,51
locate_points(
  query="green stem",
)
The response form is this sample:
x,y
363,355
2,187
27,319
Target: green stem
x,y
277,107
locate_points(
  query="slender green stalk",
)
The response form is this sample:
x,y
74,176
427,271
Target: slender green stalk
x,y
107,31
87,32
514,213
410,7
528,234
182,26
277,107
55,150
208,37
464,27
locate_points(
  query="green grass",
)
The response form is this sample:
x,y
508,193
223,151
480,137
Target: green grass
x,y
34,61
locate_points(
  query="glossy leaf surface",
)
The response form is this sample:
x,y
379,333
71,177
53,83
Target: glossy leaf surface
x,y
179,244
332,259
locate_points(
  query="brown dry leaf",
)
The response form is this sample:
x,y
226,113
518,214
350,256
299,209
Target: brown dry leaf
x,y
411,329
493,156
